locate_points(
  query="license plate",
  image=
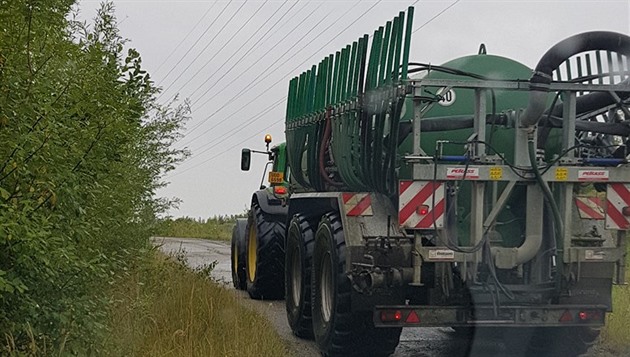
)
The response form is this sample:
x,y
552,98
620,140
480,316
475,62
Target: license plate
x,y
276,177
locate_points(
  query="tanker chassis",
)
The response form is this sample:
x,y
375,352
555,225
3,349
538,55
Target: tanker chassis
x,y
479,194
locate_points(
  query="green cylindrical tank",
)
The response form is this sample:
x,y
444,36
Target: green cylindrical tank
x,y
460,102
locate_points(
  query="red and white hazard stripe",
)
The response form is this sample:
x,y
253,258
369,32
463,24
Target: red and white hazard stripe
x,y
357,204
421,204
590,207
618,201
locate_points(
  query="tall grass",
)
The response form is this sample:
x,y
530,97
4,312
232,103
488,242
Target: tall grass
x,y
218,227
615,335
164,309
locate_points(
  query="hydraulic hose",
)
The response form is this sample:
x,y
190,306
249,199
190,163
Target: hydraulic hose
x,y
557,224
551,60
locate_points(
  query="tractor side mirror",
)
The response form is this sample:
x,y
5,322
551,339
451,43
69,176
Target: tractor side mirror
x,y
246,158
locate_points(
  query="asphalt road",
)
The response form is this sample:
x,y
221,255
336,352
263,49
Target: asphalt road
x,y
416,342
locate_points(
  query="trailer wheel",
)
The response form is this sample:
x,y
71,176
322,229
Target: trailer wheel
x,y
337,329
562,341
238,254
265,255
299,255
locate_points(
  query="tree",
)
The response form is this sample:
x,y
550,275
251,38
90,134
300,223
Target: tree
x,y
84,147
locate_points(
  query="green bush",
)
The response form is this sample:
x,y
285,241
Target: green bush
x,y
84,144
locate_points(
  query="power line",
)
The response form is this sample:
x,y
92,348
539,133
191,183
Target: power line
x,y
205,48
268,51
225,43
226,150
194,44
268,109
235,130
259,75
268,32
258,80
436,16
186,37
245,54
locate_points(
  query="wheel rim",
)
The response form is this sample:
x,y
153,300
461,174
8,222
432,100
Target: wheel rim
x,y
326,289
296,276
252,247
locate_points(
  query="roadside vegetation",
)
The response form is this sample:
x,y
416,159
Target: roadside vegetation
x,y
84,145
615,336
161,308
218,227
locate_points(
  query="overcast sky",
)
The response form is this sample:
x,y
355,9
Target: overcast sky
x,y
234,59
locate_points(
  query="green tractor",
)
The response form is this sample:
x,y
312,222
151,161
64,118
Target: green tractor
x,y
258,241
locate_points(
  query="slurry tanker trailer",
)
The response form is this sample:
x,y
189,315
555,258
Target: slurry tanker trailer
x,y
476,194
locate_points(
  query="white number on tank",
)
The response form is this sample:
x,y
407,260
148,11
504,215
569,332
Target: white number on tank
x,y
448,97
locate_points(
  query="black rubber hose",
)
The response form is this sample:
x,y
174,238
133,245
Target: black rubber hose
x,y
556,55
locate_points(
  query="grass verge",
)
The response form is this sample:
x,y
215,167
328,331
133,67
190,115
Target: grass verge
x,y
163,309
615,336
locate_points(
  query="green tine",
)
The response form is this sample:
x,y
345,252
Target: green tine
x,y
329,80
287,114
376,41
409,29
318,87
324,83
352,82
312,88
569,70
291,99
363,45
399,38
305,91
333,96
300,95
343,76
384,54
370,83
392,51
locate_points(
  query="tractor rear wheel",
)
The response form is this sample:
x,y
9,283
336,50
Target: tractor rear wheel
x,y
238,254
337,329
265,254
299,255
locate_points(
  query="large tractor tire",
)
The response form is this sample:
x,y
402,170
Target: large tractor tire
x,y
265,255
239,234
299,255
337,329
562,341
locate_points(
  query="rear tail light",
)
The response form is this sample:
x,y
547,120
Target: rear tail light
x,y
589,315
422,210
280,190
391,315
